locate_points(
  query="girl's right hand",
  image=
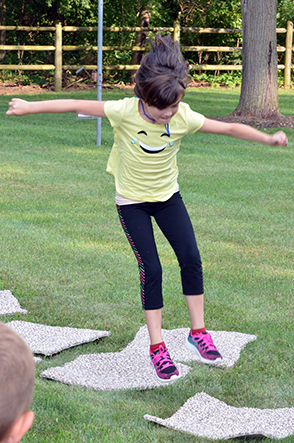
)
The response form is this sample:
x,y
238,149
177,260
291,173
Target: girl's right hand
x,y
18,107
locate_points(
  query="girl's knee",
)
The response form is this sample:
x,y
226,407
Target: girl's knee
x,y
190,257
153,272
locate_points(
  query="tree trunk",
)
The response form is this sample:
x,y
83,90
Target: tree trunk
x,y
3,23
144,20
259,89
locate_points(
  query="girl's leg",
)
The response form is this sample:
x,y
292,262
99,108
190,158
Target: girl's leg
x,y
153,321
136,222
137,225
174,221
196,310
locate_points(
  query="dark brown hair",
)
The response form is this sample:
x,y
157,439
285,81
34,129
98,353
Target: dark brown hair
x,y
163,75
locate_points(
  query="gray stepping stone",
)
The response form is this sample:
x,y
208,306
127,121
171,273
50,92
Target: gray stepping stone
x,y
131,369
9,304
49,340
206,416
229,345
128,369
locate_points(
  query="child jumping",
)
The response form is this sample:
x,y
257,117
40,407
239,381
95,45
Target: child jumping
x,y
148,130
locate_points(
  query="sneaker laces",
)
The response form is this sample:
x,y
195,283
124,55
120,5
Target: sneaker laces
x,y
205,341
161,357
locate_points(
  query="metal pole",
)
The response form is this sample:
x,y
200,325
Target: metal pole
x,y
99,65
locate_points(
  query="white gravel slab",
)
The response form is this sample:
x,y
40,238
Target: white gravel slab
x,y
131,369
128,369
229,345
109,372
208,417
49,340
9,304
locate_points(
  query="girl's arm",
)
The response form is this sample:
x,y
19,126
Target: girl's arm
x,y
244,132
90,107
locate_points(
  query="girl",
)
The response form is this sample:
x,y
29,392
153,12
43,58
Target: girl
x,y
148,130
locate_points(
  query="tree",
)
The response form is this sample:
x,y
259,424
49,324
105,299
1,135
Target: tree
x,y
285,12
140,40
259,89
3,23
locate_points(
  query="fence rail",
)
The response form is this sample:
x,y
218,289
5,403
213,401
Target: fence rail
x,y
58,48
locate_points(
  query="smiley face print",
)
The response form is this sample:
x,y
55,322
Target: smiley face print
x,y
151,149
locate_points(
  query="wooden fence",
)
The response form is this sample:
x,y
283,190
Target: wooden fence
x,y
59,48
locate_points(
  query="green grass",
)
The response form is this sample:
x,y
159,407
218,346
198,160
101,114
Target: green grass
x,y
65,257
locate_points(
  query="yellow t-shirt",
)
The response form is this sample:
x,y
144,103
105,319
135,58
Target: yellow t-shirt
x,y
143,156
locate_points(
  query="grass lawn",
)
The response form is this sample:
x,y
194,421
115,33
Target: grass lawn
x,y
66,259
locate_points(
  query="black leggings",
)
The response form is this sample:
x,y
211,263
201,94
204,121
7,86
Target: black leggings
x,y
174,221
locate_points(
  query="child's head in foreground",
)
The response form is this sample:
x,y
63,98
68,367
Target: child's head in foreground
x,y
162,77
17,375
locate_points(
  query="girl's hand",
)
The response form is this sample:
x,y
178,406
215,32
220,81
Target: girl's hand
x,y
22,107
279,139
18,107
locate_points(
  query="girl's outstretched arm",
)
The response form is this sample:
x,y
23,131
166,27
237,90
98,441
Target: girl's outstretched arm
x,y
90,107
244,132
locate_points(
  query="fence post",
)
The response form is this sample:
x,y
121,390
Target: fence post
x,y
58,57
288,55
177,30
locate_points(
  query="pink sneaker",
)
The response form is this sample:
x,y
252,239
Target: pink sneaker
x,y
163,365
202,345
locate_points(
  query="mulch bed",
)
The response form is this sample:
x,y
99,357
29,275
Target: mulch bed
x,y
282,122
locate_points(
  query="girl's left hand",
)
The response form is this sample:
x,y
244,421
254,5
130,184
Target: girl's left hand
x,y
279,139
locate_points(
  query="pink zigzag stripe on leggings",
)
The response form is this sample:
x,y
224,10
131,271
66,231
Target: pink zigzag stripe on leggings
x,y
138,257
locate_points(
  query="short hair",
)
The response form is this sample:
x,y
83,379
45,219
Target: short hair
x,y
17,375
163,74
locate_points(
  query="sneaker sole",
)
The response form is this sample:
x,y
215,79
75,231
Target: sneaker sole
x,y
193,349
167,380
